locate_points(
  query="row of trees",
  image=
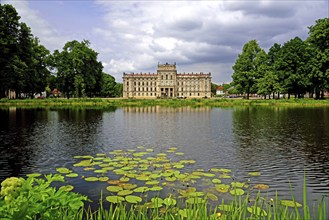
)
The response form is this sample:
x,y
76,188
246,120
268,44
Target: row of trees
x,y
294,68
27,67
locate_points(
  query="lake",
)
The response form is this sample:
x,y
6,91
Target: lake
x,y
279,142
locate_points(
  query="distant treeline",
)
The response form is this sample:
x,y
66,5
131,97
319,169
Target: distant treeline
x,y
27,67
295,68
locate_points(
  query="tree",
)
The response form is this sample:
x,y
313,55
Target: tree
x,y
213,89
318,41
78,71
292,64
247,67
9,29
269,83
108,85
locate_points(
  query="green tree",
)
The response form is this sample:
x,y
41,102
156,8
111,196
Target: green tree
x,y
9,29
292,64
213,89
78,71
108,85
247,68
318,41
118,90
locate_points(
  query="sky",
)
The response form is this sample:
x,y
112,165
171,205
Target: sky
x,y
200,36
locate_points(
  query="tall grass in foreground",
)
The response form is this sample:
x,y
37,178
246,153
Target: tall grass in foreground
x,y
240,208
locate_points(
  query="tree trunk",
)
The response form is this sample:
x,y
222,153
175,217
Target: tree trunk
x,y
288,95
278,95
322,94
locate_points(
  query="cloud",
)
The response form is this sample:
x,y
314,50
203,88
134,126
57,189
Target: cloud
x,y
200,36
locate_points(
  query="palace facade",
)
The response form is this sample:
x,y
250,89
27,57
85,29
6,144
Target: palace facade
x,y
167,83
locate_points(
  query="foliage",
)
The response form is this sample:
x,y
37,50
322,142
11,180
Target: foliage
x,y
77,69
34,198
248,68
214,87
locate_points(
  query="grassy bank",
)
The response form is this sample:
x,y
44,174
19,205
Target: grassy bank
x,y
100,102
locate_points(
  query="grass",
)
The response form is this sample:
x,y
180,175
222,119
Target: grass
x,y
120,102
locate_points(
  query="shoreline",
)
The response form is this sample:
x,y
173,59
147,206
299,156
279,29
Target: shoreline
x,y
123,102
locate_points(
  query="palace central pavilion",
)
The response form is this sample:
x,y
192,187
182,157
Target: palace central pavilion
x,y
167,83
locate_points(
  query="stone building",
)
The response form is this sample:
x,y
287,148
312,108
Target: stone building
x,y
167,83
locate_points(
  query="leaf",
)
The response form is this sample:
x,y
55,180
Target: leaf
x,y
66,188
153,182
257,211
237,192
133,199
141,189
222,188
33,175
156,188
223,170
72,175
103,178
171,179
224,176
169,201
226,208
195,200
290,203
115,199
156,202
212,197
237,184
91,179
124,179
63,170
216,181
254,173
261,186
114,188
125,192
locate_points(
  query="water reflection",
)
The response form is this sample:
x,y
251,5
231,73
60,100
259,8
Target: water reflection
x,y
279,142
282,143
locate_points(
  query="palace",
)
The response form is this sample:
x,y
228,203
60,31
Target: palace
x,y
167,83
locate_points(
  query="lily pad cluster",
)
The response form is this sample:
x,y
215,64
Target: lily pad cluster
x,y
158,179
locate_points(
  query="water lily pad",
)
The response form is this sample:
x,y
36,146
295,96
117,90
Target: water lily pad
x,y
171,179
128,185
140,147
261,186
225,176
208,174
161,155
156,188
195,194
222,188
290,203
100,171
101,155
133,199
124,179
66,188
72,175
84,163
33,175
169,201
103,178
223,170
91,179
257,211
114,188
89,168
115,199
156,202
212,196
215,170
63,170
155,175
153,182
254,173
141,189
216,181
237,192
125,192
114,182
237,184
178,166
195,200
143,178
180,153
149,150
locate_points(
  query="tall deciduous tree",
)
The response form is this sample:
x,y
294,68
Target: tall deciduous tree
x,y
292,64
78,71
247,68
9,29
319,42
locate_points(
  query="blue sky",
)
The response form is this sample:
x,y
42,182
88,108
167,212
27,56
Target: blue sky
x,y
200,36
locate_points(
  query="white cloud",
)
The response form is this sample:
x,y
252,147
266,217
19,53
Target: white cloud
x,y
201,36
